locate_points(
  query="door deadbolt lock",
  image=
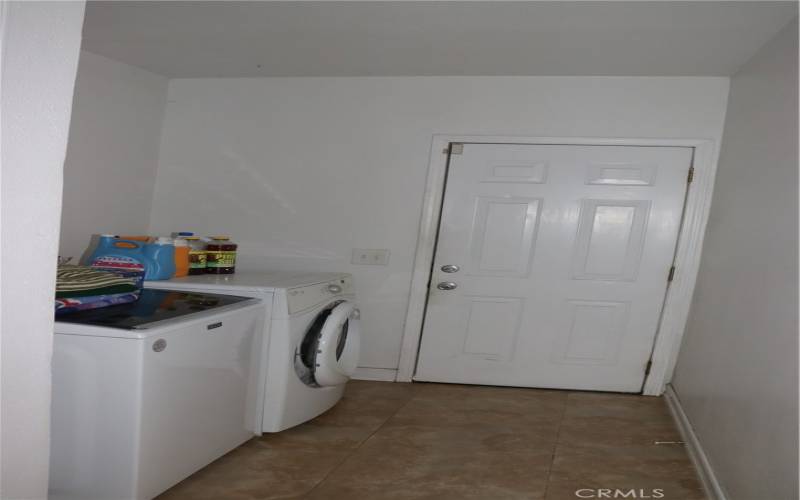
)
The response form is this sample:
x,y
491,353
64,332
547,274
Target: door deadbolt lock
x,y
446,285
450,268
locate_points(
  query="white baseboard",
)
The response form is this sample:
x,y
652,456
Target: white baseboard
x,y
379,374
699,458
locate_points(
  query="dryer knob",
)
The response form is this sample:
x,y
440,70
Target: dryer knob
x,y
334,288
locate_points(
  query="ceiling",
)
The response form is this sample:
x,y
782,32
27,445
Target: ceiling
x,y
329,38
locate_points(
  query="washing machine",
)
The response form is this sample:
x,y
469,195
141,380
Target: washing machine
x,y
312,338
147,393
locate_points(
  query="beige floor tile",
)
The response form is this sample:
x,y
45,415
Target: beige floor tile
x,y
459,439
461,406
364,389
614,431
597,404
460,392
440,441
348,424
254,471
359,407
610,464
396,473
313,436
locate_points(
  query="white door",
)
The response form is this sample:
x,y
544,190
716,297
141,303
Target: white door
x,y
551,265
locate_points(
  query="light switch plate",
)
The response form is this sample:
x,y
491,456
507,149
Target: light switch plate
x,y
370,256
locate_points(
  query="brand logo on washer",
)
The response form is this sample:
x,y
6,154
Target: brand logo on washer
x,y
159,345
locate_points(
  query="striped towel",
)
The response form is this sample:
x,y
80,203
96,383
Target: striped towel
x,y
77,280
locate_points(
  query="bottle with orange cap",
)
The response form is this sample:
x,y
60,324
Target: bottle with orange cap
x,y
181,257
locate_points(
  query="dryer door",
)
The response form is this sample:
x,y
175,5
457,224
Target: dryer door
x,y
331,347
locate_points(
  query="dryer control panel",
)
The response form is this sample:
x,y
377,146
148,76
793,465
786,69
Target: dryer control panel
x,y
306,297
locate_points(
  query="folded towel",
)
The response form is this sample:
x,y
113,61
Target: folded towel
x,y
83,278
72,304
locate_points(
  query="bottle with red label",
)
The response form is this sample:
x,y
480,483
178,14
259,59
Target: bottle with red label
x,y
221,255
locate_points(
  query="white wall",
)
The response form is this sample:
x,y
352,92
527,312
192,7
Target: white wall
x,y
40,45
112,154
302,170
736,376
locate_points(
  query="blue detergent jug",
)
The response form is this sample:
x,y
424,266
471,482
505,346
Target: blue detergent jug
x,y
124,257
145,261
162,256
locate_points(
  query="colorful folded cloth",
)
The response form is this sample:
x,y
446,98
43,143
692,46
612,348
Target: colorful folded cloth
x,y
81,287
70,304
83,281
83,278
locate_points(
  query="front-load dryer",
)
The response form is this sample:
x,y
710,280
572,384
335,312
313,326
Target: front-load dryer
x,y
312,338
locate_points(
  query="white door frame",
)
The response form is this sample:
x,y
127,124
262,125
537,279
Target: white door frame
x,y
687,255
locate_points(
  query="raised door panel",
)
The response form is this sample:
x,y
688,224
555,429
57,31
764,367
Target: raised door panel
x,y
590,332
610,239
621,174
492,326
528,173
503,236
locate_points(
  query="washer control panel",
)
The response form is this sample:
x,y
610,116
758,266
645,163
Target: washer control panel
x,y
305,297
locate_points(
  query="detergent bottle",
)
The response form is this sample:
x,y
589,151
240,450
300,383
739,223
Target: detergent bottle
x,y
123,257
182,251
162,259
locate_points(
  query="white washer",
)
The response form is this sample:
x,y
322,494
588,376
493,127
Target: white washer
x,y
313,338
147,393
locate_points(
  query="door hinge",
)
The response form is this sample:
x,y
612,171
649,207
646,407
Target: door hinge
x,y
647,367
690,176
671,274
454,148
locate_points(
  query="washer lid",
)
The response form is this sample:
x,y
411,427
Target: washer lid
x,y
153,306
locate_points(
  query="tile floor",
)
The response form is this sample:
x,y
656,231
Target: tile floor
x,y
439,441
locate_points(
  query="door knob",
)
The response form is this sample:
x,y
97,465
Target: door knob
x,y
446,285
450,268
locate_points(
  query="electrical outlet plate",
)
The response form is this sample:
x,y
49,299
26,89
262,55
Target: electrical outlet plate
x,y
370,256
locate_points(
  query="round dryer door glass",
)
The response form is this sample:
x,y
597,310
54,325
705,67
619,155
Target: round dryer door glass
x,y
329,352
